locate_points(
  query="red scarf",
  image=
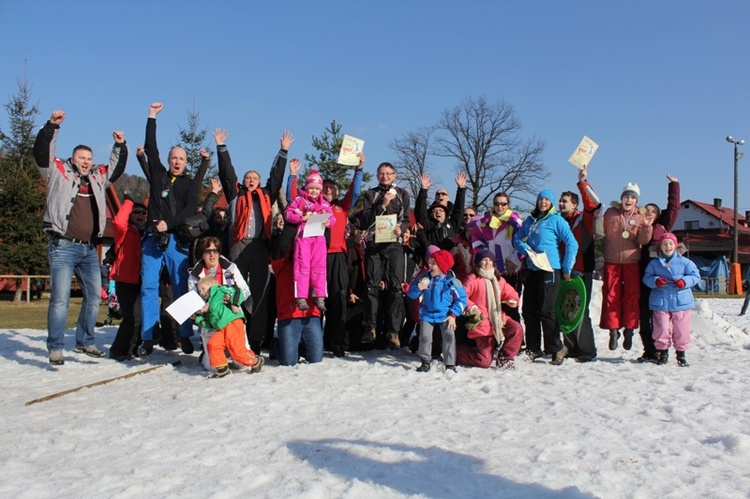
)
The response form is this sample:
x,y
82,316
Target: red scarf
x,y
244,209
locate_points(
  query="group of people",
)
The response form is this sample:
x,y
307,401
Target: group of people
x,y
442,279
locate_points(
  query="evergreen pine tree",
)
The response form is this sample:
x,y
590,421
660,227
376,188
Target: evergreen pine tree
x,y
23,244
328,146
193,138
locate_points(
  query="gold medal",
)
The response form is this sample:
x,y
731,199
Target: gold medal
x,y
625,234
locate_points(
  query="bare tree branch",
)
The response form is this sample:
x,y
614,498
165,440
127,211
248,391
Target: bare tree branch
x,y
412,150
483,138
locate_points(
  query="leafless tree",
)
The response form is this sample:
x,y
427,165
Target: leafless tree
x,y
484,139
412,150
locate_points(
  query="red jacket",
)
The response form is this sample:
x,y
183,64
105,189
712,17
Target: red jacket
x,y
127,265
286,306
582,225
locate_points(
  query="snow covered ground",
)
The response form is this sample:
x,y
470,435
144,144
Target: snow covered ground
x,y
370,426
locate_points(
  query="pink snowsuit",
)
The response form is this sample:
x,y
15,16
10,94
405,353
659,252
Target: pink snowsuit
x,y
310,253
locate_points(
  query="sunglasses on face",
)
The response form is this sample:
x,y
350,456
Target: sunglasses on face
x,y
441,194
500,203
139,212
468,215
210,251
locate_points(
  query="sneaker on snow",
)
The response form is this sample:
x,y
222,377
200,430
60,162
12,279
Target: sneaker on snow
x,y
221,372
559,357
258,365
56,358
91,351
534,354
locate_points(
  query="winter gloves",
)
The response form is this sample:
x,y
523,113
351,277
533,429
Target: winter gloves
x,y
473,319
660,281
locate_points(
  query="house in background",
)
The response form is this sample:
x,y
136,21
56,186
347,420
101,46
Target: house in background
x,y
706,230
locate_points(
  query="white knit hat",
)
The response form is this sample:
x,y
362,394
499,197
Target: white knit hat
x,y
631,188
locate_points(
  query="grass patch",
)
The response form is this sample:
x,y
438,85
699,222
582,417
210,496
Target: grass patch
x,y
34,315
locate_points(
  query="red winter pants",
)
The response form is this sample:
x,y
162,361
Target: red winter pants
x,y
621,289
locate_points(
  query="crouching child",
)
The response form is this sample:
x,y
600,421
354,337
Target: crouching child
x,y
670,276
443,299
223,314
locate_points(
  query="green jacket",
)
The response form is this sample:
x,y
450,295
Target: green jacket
x,y
219,313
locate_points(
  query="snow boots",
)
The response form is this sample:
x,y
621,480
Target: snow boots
x,y
559,357
662,357
425,367
614,337
681,359
393,341
627,342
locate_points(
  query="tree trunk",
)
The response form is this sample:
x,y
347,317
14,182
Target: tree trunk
x,y
19,291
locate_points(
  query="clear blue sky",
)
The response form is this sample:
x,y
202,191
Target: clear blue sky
x,y
658,84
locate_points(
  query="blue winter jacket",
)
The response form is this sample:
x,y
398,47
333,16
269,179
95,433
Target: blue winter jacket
x,y
445,296
544,236
670,298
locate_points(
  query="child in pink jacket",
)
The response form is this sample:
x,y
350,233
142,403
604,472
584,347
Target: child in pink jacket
x,y
310,253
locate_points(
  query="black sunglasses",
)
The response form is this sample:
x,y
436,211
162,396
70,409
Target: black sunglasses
x,y
500,204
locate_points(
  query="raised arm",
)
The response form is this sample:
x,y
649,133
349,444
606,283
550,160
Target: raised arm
x,y
227,174
205,163
140,154
211,198
118,158
150,147
291,182
44,145
460,202
589,200
669,215
420,204
276,177
352,195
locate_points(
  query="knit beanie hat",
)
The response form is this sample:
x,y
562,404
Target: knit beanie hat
x,y
668,235
444,260
481,255
314,180
431,250
547,193
632,189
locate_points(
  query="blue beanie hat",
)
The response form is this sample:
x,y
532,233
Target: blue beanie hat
x,y
547,193
481,255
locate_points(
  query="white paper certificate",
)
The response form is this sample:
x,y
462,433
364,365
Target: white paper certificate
x,y
581,157
350,147
314,225
186,305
